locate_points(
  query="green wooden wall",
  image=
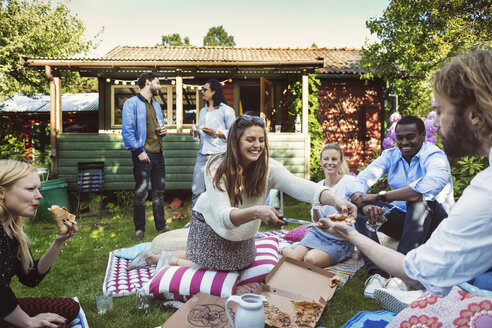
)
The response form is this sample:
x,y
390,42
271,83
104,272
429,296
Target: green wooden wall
x,y
180,154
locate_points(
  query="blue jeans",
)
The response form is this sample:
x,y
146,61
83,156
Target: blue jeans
x,y
198,186
155,171
412,228
484,281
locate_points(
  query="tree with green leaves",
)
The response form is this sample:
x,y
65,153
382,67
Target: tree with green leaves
x,y
175,40
217,36
416,36
37,28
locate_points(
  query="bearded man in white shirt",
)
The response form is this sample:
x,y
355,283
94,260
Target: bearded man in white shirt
x,y
460,249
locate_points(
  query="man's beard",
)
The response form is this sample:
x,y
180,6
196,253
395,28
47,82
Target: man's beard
x,y
461,141
154,91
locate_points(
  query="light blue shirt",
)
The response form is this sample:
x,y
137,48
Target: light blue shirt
x,y
460,248
428,173
221,119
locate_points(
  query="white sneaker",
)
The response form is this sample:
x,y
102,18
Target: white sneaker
x,y
396,300
163,260
373,282
139,260
395,283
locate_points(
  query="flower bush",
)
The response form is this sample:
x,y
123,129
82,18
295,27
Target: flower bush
x,y
430,129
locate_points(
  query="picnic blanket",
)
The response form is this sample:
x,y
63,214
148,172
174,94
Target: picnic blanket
x,y
118,281
344,270
81,320
368,319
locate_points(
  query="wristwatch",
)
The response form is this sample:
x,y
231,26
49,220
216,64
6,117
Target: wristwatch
x,y
382,195
217,133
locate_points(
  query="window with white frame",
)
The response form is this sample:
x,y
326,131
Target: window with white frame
x,y
167,100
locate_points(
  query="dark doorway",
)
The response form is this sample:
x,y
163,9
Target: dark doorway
x,y
250,98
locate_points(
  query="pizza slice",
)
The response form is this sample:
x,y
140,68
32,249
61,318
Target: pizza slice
x,y
307,313
314,225
274,317
340,218
59,214
335,281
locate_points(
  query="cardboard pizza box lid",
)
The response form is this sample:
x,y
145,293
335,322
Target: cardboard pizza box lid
x,y
291,281
292,277
201,311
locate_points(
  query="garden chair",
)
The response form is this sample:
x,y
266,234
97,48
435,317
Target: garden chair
x,y
90,178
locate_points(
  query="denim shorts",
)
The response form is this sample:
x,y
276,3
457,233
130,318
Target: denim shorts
x,y
338,250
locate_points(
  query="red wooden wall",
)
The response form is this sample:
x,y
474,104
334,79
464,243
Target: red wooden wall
x,y
350,116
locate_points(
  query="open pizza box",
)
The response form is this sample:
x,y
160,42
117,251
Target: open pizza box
x,y
201,311
292,281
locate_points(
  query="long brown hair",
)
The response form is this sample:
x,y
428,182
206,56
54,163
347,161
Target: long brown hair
x,y
10,172
252,180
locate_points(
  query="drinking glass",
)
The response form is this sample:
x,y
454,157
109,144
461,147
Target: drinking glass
x,y
104,303
160,125
143,301
278,128
380,221
194,131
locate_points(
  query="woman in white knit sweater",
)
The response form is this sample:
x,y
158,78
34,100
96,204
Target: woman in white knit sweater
x,y
227,216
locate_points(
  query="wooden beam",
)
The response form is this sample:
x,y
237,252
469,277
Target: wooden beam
x,y
179,104
305,112
155,64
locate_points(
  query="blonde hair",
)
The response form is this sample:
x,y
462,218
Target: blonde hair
x,y
10,172
467,81
344,168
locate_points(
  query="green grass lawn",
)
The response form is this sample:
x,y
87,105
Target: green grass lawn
x,y
80,268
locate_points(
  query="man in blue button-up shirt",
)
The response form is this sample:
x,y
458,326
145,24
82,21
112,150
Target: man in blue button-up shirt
x,y
421,193
142,130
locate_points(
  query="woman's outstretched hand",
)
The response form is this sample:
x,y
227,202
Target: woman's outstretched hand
x,y
340,230
268,215
345,207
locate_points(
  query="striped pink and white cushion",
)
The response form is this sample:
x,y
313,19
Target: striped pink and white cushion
x,y
266,259
181,283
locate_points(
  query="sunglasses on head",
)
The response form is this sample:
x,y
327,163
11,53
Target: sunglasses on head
x,y
250,118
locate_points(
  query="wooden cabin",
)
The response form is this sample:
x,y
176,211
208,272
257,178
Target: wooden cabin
x,y
256,79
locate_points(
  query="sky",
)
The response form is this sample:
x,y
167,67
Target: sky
x,y
253,23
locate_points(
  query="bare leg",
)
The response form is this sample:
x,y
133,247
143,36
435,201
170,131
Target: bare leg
x,y
318,258
297,253
152,260
177,258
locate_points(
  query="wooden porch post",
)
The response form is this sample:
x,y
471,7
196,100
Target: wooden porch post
x,y
305,112
55,117
179,104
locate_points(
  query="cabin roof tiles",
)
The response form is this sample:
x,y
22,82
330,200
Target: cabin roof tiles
x,y
336,61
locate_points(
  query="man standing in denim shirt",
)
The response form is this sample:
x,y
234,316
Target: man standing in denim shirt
x,y
421,193
214,122
142,131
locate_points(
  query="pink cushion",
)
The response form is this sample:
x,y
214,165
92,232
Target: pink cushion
x,y
181,283
296,234
266,259
458,309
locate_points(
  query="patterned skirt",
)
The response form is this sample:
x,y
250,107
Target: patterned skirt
x,y
209,250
